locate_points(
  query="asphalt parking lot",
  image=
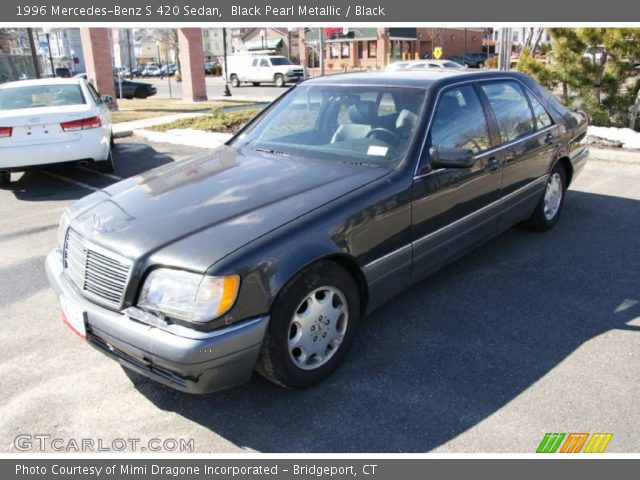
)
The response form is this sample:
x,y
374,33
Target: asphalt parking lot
x,y
531,333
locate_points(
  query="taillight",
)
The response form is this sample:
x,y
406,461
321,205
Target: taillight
x,y
6,132
82,124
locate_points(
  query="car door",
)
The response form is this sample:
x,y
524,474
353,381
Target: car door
x,y
454,209
527,146
265,70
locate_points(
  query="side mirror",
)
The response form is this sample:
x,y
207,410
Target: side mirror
x,y
107,99
444,157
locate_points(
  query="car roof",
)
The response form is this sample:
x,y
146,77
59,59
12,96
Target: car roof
x,y
410,78
42,81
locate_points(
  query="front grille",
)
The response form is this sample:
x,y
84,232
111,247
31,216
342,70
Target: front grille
x,y
101,275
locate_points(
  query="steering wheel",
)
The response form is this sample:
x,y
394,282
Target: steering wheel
x,y
385,135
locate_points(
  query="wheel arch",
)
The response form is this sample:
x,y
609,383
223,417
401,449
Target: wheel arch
x,y
344,260
567,166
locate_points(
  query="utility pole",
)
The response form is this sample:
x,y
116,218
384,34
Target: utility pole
x,y
321,52
505,37
129,51
464,55
34,53
227,92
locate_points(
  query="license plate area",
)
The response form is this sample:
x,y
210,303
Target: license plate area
x,y
73,316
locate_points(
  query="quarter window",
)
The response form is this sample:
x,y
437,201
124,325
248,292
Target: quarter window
x,y
543,120
460,122
511,108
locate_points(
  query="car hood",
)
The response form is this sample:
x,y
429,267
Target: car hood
x,y
194,212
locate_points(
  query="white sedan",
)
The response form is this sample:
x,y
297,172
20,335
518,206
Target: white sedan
x,y
423,64
51,121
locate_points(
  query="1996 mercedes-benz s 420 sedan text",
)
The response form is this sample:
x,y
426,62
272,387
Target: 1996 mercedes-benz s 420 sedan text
x,y
266,252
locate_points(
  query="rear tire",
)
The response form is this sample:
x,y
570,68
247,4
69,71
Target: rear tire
x,y
5,178
106,166
311,328
547,212
279,79
235,81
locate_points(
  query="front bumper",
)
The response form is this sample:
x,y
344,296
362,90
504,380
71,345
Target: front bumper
x,y
193,362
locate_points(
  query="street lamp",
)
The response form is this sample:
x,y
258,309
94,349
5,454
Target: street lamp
x,y
227,92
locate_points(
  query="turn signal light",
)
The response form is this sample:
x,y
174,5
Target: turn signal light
x,y
6,132
82,124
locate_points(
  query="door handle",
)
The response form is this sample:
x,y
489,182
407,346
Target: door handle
x,y
549,139
492,164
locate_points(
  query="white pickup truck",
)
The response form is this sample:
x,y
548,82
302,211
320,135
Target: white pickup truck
x,y
257,69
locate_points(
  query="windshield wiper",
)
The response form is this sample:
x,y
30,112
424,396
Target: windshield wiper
x,y
271,151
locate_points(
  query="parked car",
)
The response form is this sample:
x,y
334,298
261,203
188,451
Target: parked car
x,y
151,70
168,70
211,67
63,72
335,198
595,53
421,65
137,71
257,69
43,122
470,60
426,64
130,89
395,66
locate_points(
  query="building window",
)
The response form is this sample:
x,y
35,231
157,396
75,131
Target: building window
x,y
360,49
335,50
346,50
372,47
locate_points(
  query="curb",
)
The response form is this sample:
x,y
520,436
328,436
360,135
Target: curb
x,y
615,155
122,134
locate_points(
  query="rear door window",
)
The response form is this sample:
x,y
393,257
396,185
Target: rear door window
x,y
511,108
543,120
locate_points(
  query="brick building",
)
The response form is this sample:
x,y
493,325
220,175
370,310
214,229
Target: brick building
x,y
370,48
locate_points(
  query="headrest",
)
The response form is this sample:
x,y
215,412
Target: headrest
x,y
363,112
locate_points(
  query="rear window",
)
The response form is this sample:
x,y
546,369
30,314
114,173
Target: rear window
x,y
280,61
34,96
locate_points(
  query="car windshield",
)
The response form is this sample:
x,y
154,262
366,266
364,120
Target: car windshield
x,y
33,96
451,65
370,125
280,61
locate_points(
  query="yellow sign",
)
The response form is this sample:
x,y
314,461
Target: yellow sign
x,y
437,52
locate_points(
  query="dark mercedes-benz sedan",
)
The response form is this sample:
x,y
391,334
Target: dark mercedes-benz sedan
x,y
266,252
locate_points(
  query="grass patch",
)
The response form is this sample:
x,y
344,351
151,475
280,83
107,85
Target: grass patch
x,y
138,109
218,121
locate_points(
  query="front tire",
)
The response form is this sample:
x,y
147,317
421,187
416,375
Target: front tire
x,y
547,212
279,79
311,327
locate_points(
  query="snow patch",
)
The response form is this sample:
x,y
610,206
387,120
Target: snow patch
x,y
629,138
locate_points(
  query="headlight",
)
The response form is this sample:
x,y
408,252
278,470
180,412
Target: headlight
x,y
62,229
188,296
